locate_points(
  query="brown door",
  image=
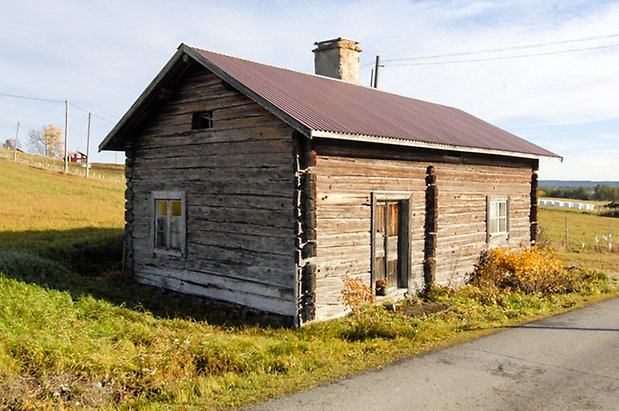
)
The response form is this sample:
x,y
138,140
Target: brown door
x,y
387,244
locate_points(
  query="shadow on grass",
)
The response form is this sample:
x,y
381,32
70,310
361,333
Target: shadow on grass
x,y
87,261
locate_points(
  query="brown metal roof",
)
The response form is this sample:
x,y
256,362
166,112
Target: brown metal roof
x,y
325,107
334,106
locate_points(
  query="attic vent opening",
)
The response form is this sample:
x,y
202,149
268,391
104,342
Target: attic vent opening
x,y
202,120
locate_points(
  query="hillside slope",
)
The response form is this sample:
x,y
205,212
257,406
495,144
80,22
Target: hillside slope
x,y
38,199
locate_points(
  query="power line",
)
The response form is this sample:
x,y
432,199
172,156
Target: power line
x,y
517,56
90,112
49,100
496,50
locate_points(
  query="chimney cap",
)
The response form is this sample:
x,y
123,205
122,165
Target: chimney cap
x,y
339,42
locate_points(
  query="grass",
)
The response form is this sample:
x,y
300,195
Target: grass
x,y
74,334
60,348
98,171
69,219
39,199
583,229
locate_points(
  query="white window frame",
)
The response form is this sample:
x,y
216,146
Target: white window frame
x,y
169,196
495,235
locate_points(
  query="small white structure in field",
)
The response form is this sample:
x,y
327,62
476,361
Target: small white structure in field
x,y
567,204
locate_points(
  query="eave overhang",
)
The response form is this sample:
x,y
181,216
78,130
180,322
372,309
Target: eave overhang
x,y
422,144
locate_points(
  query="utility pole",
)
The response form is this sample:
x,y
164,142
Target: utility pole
x,y
15,145
88,146
66,136
372,78
376,66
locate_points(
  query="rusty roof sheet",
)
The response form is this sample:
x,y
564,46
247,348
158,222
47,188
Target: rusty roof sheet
x,y
320,106
334,106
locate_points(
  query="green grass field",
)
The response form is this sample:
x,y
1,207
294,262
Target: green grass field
x,y
76,334
587,235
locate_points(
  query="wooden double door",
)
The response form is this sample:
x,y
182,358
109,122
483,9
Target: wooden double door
x,y
390,242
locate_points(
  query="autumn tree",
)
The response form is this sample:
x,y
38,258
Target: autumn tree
x,y
47,141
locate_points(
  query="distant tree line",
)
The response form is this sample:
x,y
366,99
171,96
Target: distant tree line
x,y
600,192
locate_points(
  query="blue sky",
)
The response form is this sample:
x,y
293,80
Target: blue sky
x,y
101,55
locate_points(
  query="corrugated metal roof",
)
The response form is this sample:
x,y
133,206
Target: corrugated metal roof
x,y
323,107
333,106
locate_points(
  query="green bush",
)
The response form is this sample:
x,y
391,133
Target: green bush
x,y
28,267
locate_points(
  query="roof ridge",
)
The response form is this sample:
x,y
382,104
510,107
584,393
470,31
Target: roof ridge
x,y
339,81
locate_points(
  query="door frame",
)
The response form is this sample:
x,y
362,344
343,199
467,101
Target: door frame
x,y
406,201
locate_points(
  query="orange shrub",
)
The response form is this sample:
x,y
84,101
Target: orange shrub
x,y
531,270
355,293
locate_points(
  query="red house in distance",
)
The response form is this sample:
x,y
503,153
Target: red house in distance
x,y
77,157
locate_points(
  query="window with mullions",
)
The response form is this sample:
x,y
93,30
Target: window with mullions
x,y
498,218
169,223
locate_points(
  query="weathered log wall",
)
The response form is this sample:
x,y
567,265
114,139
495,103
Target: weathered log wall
x,y
462,195
346,174
344,186
238,179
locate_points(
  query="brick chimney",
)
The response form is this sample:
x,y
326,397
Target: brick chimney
x,y
337,58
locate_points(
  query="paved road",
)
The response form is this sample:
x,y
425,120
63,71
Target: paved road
x,y
566,362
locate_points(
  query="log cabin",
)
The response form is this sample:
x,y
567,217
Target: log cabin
x,y
262,187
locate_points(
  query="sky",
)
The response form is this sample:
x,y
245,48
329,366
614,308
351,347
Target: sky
x,y
101,55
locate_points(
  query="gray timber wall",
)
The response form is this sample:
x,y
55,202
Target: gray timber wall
x,y
346,174
239,183
462,193
344,186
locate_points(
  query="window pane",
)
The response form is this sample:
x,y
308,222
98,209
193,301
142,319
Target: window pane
x,y
162,207
502,224
493,225
176,208
502,209
175,232
161,239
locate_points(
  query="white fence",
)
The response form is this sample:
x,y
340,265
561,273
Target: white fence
x,y
567,204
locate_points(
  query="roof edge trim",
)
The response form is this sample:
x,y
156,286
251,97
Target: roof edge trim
x,y
285,117
135,107
422,144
